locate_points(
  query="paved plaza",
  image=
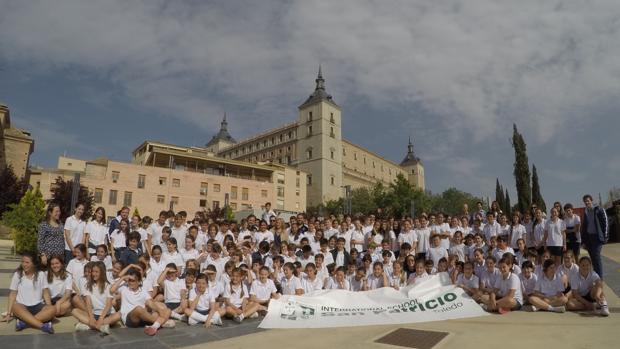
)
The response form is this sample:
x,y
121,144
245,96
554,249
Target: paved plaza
x,y
514,330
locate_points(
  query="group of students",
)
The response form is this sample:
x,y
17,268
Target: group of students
x,y
150,274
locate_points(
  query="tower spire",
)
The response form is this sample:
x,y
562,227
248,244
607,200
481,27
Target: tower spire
x,y
224,123
410,147
320,82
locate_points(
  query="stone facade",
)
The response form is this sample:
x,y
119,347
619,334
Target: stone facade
x,y
15,145
314,144
166,181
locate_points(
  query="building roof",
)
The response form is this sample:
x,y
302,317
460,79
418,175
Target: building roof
x,y
319,94
410,158
222,135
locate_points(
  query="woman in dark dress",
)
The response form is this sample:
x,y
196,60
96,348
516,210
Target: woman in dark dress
x,y
51,238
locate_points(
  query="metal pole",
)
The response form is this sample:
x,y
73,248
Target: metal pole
x,y
75,189
412,208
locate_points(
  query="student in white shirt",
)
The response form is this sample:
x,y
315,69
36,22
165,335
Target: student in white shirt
x,y
469,282
29,298
538,232
175,291
420,273
517,231
291,285
172,254
378,278
136,302
357,236
436,251
339,281
408,235
504,227
189,252
95,232
60,285
573,230
549,291
263,234
236,298
492,228
568,266
99,314
203,307
155,231
398,278
528,280
587,290
423,235
555,236
506,295
311,281
74,231
489,275
118,239
458,247
263,289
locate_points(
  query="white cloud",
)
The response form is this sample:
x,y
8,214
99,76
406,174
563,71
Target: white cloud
x,y
477,65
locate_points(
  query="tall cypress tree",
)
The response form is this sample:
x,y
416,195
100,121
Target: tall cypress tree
x,y
521,171
536,196
507,205
499,194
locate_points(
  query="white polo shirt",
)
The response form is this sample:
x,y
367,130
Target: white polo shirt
x,y
528,285
472,282
97,234
58,286
554,232
549,287
310,286
423,236
236,294
76,231
511,282
29,292
155,231
262,291
204,300
132,299
290,285
173,289
491,230
518,232
583,285
99,299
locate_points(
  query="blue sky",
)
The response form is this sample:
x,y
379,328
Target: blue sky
x,y
97,78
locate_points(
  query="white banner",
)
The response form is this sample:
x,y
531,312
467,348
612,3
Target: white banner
x,y
431,300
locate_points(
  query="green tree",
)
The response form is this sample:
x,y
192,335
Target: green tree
x,y
61,194
400,196
536,196
499,194
23,220
362,201
13,188
521,171
507,207
451,201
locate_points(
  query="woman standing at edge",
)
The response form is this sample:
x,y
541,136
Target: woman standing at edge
x,y
51,237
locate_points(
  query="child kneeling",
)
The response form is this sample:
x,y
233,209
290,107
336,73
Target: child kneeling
x,y
202,305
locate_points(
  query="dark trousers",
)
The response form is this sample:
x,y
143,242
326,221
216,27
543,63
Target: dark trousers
x,y
594,247
68,256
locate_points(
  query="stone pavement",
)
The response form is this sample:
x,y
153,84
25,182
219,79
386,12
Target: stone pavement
x,y
513,330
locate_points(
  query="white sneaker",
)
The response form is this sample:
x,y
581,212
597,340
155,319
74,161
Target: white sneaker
x,y
238,318
604,311
169,324
561,309
192,322
80,327
105,329
530,308
253,316
217,321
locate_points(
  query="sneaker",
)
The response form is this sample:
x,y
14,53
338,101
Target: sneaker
x,y
238,318
20,325
253,316
105,329
192,322
80,327
530,308
150,330
217,321
47,328
604,311
561,309
169,324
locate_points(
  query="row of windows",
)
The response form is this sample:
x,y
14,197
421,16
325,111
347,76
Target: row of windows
x,y
128,196
163,181
264,144
332,181
309,154
332,133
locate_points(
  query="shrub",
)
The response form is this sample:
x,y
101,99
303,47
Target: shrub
x,y
23,220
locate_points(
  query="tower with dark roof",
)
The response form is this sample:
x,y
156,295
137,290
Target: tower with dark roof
x,y
319,144
412,164
222,139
